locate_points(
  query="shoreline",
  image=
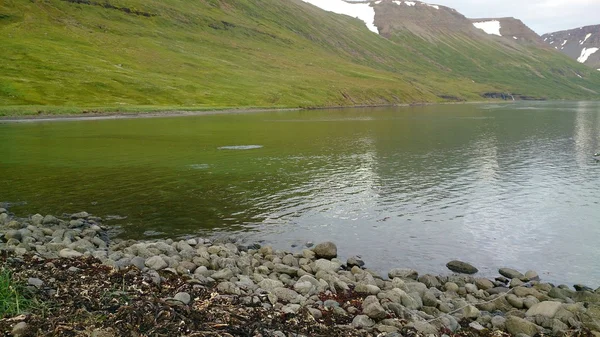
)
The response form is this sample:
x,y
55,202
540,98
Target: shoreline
x,y
307,290
188,113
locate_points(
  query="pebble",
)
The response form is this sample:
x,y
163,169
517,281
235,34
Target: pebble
x,y
20,329
183,297
36,282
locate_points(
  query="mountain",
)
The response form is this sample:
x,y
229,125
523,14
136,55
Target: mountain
x,y
582,44
73,55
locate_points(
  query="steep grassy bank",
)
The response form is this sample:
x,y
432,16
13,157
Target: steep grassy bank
x,y
130,54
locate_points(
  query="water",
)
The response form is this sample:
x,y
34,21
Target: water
x,y
510,185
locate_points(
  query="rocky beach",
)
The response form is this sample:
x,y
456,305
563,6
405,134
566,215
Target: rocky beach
x,y
81,281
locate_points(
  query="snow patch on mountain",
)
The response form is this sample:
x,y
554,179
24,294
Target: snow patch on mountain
x,y
490,27
585,53
361,11
586,37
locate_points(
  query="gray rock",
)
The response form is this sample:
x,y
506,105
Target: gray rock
x,y
471,288
484,284
284,269
355,261
515,325
531,275
20,329
362,322
138,262
429,300
499,322
515,301
156,263
367,289
270,285
476,326
286,295
325,250
330,304
80,215
461,267
546,309
36,282
316,313
13,234
228,288
581,287
69,253
3,210
516,283
37,219
424,327
530,301
470,312
403,273
76,223
412,302
559,293
415,287
183,297
511,273
223,274
50,220
290,309
326,265
374,310
429,280
451,287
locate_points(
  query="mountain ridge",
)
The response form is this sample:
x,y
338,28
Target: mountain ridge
x,y
259,53
581,44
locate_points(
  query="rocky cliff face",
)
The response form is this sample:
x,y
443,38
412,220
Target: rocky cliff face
x,y
582,44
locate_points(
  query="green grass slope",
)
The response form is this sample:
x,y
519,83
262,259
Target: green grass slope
x,y
68,56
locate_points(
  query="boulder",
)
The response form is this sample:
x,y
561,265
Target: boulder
x,y
326,265
484,284
69,253
287,295
516,325
325,250
80,215
470,312
403,273
375,311
461,267
429,280
156,263
546,309
511,273
269,285
50,220
355,261
531,275
362,322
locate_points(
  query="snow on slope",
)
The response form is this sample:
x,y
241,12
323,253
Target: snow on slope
x,y
585,53
490,27
361,11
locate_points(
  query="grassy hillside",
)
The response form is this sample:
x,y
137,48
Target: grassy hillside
x,y
68,56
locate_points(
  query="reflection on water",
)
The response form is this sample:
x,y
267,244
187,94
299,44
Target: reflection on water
x,y
494,184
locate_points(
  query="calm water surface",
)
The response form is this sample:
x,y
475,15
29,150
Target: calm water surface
x,y
496,185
